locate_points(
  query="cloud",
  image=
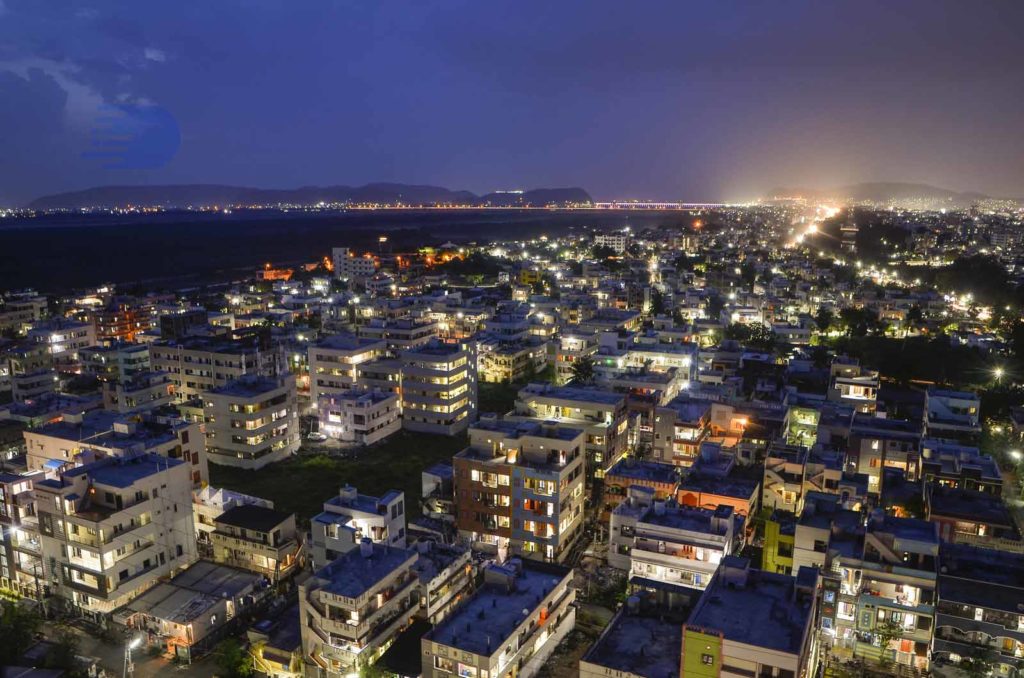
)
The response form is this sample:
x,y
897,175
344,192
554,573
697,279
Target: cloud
x,y
152,53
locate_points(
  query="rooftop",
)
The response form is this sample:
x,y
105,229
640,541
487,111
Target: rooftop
x,y
485,622
353,574
652,471
641,645
249,386
124,471
253,517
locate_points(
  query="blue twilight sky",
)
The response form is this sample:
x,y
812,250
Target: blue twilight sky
x,y
696,100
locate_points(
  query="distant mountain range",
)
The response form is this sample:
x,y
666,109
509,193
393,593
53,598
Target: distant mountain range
x,y
206,195
882,192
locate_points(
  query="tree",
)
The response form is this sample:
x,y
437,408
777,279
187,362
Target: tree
x,y
65,649
860,322
583,370
886,632
657,302
978,663
914,315
18,627
233,661
602,252
823,319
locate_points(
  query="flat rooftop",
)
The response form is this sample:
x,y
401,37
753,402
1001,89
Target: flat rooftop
x,y
640,645
765,613
352,574
484,623
571,393
252,517
249,386
347,342
124,472
651,471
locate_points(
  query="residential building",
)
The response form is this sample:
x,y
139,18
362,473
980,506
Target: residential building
x,y
359,417
751,623
258,539
519,488
63,339
877,443
115,361
952,464
439,388
139,393
662,543
21,564
199,364
112,528
252,421
853,385
639,642
508,628
333,362
350,266
952,414
354,606
446,576
351,517
599,414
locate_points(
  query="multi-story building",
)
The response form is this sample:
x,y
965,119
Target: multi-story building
x,y
884,584
854,385
400,334
978,613
352,607
519,488
258,539
208,503
446,576
876,444
359,417
139,393
115,361
751,623
952,464
439,388
30,371
124,317
662,478
334,359
952,414
616,241
21,564
81,438
351,517
350,266
599,414
19,311
252,421
110,529
64,339
571,346
198,364
508,628
670,545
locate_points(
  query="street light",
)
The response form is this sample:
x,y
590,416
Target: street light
x,y
998,372
129,666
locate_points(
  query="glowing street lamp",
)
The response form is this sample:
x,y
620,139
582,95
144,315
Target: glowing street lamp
x,y
998,372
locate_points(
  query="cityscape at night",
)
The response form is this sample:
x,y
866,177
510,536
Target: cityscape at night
x,y
511,340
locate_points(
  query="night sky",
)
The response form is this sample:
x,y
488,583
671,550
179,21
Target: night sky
x,y
676,100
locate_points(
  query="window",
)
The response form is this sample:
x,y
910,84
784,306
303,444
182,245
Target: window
x,y
707,659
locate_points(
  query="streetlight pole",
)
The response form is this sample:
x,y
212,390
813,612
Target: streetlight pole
x,y
129,666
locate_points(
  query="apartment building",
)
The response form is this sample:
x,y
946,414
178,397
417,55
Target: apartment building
x,y
629,472
952,414
446,575
853,385
509,361
350,266
508,628
953,464
115,361
333,362
400,334
21,564
19,311
122,318
350,517
791,471
63,339
352,607
252,421
199,364
875,444
885,581
571,346
751,623
662,543
599,414
519,488
139,393
439,388
110,529
359,417
618,653
84,437
30,371
978,611
258,539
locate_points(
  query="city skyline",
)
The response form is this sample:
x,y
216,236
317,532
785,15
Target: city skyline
x,y
717,103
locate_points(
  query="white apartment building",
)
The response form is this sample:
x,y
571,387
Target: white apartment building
x,y
252,421
439,388
508,628
112,528
63,339
351,608
359,417
351,517
198,364
333,362
349,266
676,545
